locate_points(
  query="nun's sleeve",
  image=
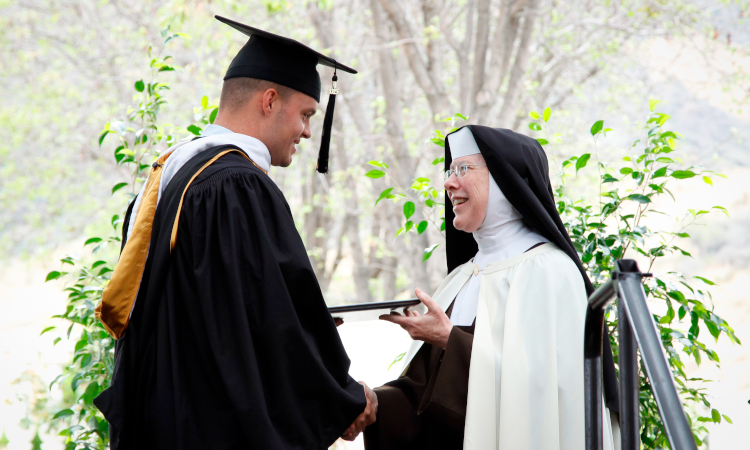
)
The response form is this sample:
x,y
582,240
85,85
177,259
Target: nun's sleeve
x,y
445,396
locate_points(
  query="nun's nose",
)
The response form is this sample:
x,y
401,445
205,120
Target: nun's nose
x,y
451,183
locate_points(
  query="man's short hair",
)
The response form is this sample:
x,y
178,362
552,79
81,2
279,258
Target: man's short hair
x,y
236,92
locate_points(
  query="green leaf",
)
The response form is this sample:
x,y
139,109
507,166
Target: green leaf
x,y
597,127
727,419
380,164
398,358
438,141
204,102
547,114
385,194
92,390
543,141
652,104
196,130
422,227
85,360
708,181
63,413
535,126
582,161
694,329
53,275
428,252
118,186
534,115
639,198
375,174
715,416
659,173
722,209
626,170
438,161
708,282
713,329
139,85
212,117
409,209
682,174
102,136
92,240
46,330
408,225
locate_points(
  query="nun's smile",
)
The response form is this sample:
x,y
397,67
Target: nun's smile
x,y
469,193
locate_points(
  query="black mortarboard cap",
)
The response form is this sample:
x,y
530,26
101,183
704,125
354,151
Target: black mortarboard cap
x,y
278,59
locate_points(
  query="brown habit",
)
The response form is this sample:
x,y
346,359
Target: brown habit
x,y
425,408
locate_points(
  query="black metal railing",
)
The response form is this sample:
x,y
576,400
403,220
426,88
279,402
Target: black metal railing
x,y
637,330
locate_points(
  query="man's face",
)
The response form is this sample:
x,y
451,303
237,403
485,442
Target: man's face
x,y
291,123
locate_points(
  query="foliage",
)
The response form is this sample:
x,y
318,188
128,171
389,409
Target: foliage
x,y
139,140
605,231
421,193
31,391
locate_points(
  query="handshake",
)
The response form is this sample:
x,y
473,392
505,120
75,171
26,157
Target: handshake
x,y
367,418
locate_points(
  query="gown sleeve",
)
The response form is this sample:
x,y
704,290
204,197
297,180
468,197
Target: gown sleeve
x,y
262,351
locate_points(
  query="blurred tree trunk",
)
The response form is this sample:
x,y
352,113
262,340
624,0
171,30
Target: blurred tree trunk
x,y
404,167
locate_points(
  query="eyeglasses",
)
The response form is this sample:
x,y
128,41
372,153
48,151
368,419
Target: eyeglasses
x,y
460,170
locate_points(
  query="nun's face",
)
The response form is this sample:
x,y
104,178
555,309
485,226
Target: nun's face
x,y
469,194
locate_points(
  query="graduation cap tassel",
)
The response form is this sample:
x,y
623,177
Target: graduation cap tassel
x,y
325,141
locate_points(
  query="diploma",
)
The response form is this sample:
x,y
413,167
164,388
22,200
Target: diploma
x,y
360,312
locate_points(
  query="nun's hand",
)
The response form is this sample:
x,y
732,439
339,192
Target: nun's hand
x,y
434,327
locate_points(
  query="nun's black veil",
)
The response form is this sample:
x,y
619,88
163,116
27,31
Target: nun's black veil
x,y
519,166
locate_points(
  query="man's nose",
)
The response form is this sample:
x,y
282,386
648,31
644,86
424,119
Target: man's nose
x,y
306,133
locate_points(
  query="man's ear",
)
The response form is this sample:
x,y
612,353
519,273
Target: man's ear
x,y
270,101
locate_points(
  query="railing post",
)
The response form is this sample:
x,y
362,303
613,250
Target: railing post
x,y
633,300
629,401
592,369
637,331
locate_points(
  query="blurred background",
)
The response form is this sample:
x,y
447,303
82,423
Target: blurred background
x,y
68,67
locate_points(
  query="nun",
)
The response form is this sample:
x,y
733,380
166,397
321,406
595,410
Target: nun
x,y
497,356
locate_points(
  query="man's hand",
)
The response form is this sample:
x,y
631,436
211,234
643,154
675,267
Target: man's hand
x,y
338,321
365,419
434,327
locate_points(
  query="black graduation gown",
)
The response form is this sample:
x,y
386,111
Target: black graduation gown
x,y
230,344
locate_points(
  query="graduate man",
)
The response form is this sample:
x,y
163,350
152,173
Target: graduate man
x,y
223,338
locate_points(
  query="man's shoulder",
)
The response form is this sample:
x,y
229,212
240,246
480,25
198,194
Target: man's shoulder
x,y
233,165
